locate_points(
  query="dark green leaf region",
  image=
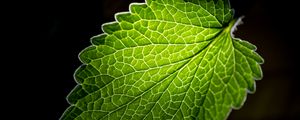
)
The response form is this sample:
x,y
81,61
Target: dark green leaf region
x,y
165,59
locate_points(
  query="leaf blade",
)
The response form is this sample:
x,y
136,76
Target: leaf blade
x,y
176,66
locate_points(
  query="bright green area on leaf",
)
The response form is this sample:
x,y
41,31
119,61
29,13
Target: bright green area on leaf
x,y
165,59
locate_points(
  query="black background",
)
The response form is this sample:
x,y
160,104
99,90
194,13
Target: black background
x,y
47,37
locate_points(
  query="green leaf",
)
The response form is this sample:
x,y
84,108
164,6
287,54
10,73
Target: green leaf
x,y
165,59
